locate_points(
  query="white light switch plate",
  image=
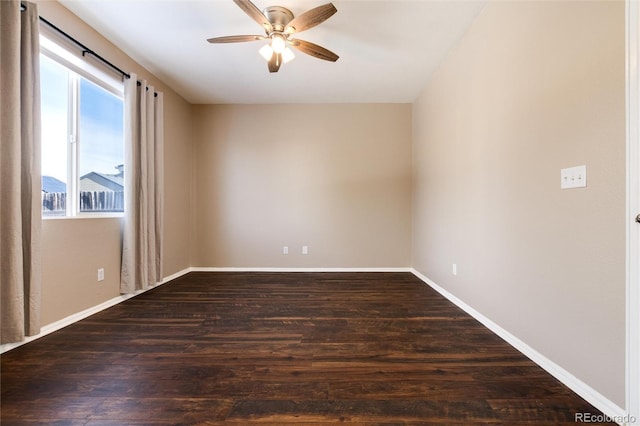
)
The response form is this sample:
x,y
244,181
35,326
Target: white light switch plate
x,y
573,177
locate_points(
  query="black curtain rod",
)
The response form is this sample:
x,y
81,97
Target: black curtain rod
x,y
85,49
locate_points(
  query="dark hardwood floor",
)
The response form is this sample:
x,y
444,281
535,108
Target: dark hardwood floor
x,y
278,348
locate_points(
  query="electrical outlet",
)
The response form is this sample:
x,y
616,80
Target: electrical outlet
x,y
101,274
285,250
454,269
305,249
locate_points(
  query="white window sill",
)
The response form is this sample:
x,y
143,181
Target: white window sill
x,y
86,216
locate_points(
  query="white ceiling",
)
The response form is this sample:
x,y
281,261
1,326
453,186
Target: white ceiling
x,y
387,48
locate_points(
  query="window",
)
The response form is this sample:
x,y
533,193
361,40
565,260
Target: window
x,y
82,137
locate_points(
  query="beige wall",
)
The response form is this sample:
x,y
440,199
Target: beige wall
x,y
73,249
178,201
533,87
333,177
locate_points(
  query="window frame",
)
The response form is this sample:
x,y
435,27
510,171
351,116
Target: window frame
x,y
79,67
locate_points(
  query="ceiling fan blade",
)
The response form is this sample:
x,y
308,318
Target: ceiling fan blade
x,y
235,38
314,50
255,14
311,18
275,62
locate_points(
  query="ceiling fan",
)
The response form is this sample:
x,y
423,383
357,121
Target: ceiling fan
x,y
279,25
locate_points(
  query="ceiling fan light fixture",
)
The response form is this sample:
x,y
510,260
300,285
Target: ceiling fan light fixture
x,y
266,52
287,55
278,43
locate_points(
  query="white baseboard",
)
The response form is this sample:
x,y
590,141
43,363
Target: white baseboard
x,y
174,276
57,325
589,394
270,269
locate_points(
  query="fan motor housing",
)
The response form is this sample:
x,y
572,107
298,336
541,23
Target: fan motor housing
x,y
278,16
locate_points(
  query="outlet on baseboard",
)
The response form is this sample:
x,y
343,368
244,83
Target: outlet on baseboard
x,y
101,274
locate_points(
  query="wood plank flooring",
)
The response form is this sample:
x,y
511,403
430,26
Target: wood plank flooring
x,y
280,348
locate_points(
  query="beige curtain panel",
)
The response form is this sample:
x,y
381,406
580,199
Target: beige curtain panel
x,y
20,184
142,235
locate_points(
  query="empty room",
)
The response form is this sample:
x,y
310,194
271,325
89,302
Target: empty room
x,y
301,212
